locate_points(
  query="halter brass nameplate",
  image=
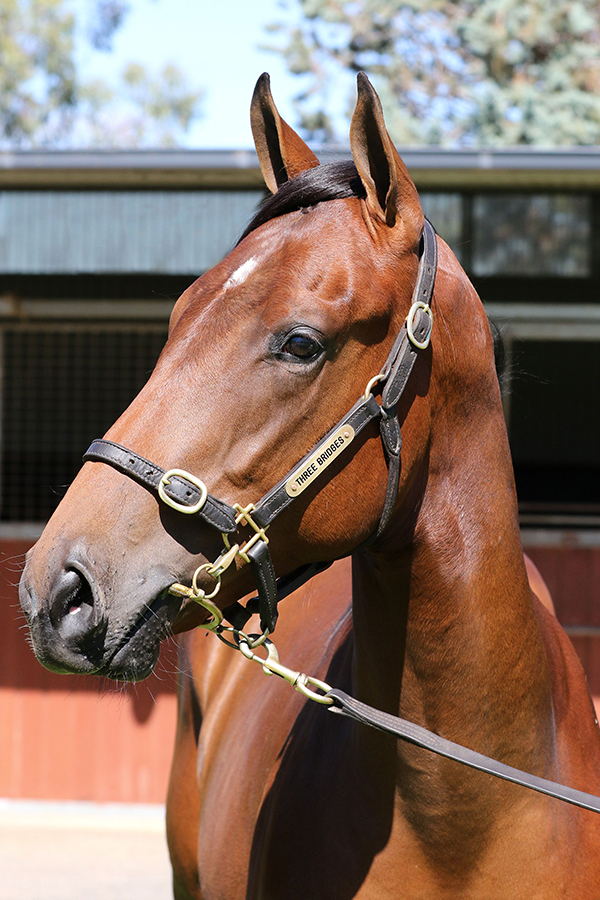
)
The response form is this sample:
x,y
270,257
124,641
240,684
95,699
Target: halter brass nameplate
x,y
325,454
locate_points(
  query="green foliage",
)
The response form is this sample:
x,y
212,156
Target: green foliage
x,y
164,99
485,72
45,102
145,110
108,17
37,73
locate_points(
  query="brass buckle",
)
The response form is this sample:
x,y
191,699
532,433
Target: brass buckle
x,y
188,510
410,324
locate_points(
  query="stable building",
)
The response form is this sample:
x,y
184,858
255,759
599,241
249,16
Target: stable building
x,y
95,247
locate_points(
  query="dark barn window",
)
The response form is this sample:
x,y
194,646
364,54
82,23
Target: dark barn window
x,y
62,387
554,425
531,234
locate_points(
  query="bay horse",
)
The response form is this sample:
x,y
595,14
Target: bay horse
x,y
272,796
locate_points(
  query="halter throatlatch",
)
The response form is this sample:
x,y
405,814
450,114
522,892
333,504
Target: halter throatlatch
x,y
188,495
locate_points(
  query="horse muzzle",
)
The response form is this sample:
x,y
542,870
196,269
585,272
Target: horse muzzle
x,y
74,631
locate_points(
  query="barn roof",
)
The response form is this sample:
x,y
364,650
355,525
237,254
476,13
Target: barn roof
x,y
575,168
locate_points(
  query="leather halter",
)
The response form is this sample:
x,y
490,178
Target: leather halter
x,y
188,494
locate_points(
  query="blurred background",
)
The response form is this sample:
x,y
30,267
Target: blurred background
x,y
127,170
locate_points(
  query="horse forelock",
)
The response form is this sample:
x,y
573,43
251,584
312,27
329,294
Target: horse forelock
x,y
334,181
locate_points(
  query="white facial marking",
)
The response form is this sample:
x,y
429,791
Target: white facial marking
x,y
240,274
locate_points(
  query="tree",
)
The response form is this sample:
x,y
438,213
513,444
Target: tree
x,y
470,72
45,102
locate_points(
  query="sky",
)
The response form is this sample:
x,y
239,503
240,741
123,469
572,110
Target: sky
x,y
216,44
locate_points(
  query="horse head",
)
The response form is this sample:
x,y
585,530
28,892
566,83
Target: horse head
x,y
266,353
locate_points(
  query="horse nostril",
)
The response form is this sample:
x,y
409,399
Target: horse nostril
x,y
73,612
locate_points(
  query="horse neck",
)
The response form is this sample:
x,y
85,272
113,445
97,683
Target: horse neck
x,y
444,627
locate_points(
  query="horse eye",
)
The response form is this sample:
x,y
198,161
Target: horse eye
x,y
302,346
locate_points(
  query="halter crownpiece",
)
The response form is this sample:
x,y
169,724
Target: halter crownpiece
x,y
188,495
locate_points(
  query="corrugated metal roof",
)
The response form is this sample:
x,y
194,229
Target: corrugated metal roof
x,y
429,166
172,232
526,157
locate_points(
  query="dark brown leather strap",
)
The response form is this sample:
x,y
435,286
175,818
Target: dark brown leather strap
x,y
266,585
221,515
277,499
217,513
416,734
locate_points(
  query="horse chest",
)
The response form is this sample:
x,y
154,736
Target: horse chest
x,y
289,812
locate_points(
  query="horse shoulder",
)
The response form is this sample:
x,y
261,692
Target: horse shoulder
x,y
538,585
577,739
226,701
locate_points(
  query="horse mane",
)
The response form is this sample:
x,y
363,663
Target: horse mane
x,y
500,360
334,181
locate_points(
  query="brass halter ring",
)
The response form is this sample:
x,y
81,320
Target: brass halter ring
x,y
199,596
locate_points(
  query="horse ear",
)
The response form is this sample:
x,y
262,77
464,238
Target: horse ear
x,y
281,152
391,193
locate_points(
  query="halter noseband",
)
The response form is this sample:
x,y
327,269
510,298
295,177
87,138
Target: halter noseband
x,y
187,494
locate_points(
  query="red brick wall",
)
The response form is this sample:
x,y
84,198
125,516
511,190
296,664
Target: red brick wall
x,y
571,569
